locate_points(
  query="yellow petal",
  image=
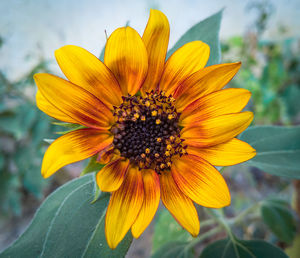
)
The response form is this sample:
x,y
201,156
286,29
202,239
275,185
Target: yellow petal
x,y
124,206
200,181
180,206
150,204
126,56
44,105
156,39
74,101
215,104
216,130
186,60
112,175
203,82
74,146
86,70
225,154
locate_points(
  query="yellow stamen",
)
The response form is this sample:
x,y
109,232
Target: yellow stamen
x,y
157,121
147,150
158,139
154,113
169,147
170,117
143,118
167,153
156,155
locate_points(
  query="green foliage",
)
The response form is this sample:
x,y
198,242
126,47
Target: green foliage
x,y
270,70
68,225
278,149
228,248
10,196
206,31
168,230
279,218
22,128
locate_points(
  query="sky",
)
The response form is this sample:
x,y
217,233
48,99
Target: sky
x,y
32,29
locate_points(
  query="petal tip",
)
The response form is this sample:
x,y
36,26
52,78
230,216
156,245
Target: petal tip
x,y
135,232
37,76
45,173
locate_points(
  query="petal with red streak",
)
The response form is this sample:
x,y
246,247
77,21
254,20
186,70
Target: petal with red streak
x,y
150,204
124,207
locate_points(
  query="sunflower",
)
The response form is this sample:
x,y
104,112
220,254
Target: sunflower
x,y
159,127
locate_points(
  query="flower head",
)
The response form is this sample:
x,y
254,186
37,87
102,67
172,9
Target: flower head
x,y
160,127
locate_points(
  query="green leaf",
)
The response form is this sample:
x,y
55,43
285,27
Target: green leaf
x,y
69,126
206,31
227,248
68,225
174,250
277,216
92,166
168,230
290,98
278,149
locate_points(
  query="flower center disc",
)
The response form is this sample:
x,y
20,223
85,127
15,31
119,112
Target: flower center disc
x,y
147,131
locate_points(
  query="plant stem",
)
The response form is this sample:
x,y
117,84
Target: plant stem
x,y
223,225
204,236
244,213
207,222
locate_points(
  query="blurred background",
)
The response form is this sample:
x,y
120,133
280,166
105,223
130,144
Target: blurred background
x,y
264,35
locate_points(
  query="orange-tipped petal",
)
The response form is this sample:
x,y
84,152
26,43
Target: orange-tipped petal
x,y
150,204
126,56
215,104
44,105
216,130
74,146
74,101
156,39
111,177
185,61
200,181
207,80
124,206
225,154
180,206
86,70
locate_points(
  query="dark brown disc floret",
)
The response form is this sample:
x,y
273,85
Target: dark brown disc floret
x,y
147,131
